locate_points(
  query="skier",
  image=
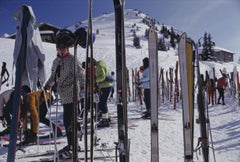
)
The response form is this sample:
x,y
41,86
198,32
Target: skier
x,y
6,104
104,84
145,83
221,85
62,73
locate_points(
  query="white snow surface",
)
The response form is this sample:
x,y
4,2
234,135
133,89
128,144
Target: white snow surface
x,y
224,120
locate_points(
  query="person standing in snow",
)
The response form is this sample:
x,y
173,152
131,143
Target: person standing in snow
x,y
62,73
104,83
145,84
221,85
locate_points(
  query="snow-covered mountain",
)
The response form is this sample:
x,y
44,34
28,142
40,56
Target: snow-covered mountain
x,y
225,121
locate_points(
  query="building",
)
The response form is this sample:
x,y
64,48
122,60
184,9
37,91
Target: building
x,y
47,32
221,54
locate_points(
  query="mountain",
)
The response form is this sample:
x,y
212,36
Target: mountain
x,y
224,119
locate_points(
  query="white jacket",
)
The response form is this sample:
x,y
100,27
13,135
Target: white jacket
x,y
35,56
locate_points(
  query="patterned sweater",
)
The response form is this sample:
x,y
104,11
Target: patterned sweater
x,y
65,78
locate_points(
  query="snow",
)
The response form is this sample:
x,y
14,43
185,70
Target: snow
x,y
224,120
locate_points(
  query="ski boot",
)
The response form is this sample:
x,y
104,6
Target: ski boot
x,y
29,138
147,115
103,123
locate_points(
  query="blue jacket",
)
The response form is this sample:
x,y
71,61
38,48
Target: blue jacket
x,y
145,81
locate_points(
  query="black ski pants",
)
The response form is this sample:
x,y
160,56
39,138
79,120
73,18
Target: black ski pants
x,y
147,99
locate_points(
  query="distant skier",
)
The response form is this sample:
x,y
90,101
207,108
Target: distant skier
x,y
145,83
221,85
113,84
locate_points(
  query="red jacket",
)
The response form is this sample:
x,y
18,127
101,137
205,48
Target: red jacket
x,y
222,82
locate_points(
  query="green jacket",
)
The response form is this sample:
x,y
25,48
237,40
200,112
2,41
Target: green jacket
x,y
101,74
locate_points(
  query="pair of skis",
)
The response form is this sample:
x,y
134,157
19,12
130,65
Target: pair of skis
x,y
121,80
123,143
187,63
89,87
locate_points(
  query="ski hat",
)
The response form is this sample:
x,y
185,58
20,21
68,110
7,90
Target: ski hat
x,y
65,38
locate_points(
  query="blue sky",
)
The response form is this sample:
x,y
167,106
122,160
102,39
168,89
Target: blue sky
x,y
220,18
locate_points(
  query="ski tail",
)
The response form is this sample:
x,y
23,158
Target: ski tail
x,y
187,89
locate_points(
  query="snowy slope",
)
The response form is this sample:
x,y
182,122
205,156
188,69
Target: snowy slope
x,y
225,120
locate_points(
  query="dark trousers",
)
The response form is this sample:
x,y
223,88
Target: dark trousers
x,y
147,99
221,95
104,93
67,121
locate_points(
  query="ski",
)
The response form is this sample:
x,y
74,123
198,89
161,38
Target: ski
x,y
176,89
89,98
187,89
153,62
20,67
51,153
203,121
171,84
203,140
104,158
235,81
214,78
37,154
121,81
